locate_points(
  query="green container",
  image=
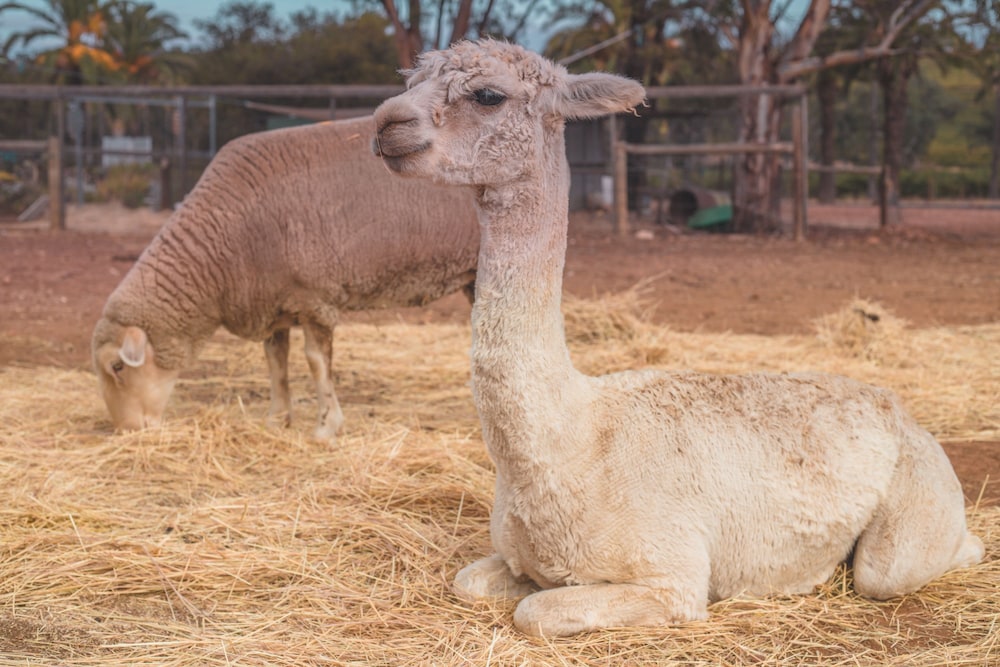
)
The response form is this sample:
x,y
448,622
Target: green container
x,y
710,217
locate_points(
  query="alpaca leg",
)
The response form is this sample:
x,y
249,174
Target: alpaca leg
x,y
319,354
572,609
919,531
276,351
490,578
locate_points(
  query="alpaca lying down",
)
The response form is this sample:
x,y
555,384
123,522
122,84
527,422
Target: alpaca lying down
x,y
637,498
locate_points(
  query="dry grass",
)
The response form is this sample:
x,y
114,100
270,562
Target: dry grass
x,y
215,541
864,329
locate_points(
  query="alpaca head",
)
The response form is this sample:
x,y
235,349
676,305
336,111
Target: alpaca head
x,y
484,113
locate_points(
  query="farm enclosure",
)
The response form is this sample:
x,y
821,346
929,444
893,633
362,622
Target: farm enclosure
x,y
215,541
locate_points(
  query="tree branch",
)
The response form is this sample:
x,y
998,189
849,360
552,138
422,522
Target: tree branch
x,y
808,31
462,20
903,16
520,23
805,66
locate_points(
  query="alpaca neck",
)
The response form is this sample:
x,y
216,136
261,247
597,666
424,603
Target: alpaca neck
x,y
523,378
519,276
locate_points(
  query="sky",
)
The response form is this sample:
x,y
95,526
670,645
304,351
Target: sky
x,y
186,11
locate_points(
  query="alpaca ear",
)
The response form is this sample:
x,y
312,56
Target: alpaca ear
x,y
133,349
599,94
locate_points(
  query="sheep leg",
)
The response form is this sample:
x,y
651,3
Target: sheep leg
x,y
319,354
919,530
276,351
569,610
490,578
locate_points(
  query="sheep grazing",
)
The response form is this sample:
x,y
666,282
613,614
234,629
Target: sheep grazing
x,y
285,228
639,497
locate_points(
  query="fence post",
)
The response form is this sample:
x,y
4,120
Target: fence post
x,y
57,201
800,125
212,130
621,187
181,143
166,201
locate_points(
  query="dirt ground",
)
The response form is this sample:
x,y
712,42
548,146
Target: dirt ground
x,y
941,267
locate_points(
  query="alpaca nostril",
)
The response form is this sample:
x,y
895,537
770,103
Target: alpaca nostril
x,y
398,138
392,125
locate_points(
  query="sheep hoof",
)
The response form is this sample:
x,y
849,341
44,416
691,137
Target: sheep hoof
x,y
325,434
279,420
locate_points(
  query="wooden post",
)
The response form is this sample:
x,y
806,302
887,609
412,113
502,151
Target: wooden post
x,y
166,202
57,192
621,187
800,137
181,140
213,120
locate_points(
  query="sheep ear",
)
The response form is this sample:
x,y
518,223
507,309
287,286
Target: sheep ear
x,y
599,94
133,349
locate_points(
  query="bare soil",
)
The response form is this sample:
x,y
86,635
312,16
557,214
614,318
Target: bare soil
x,y
941,267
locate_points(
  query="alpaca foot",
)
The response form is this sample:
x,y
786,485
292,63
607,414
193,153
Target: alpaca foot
x,y
490,578
970,553
569,610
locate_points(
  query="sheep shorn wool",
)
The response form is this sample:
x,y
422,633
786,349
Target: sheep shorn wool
x,y
285,228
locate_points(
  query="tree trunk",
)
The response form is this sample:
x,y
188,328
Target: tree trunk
x,y
995,162
409,40
873,140
462,20
894,75
826,92
755,174
636,67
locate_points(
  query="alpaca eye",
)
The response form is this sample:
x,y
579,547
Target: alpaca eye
x,y
487,97
117,367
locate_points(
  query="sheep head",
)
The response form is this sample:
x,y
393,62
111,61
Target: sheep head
x,y
134,388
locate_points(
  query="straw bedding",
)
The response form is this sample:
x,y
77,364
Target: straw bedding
x,y
215,541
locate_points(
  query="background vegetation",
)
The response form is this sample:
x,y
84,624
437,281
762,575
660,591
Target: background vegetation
x,y
913,86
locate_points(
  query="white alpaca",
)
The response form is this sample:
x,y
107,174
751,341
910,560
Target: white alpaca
x,y
637,498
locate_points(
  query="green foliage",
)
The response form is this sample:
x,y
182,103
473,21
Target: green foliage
x,y
945,184
951,148
948,124
247,44
926,183
126,183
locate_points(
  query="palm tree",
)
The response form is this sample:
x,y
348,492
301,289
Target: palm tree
x,y
137,37
79,25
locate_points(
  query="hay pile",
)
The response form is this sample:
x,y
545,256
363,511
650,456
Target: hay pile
x,y
864,329
215,541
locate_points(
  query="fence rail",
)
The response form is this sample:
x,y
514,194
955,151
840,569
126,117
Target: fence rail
x,y
797,148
